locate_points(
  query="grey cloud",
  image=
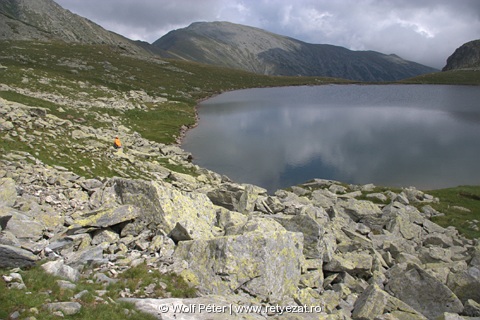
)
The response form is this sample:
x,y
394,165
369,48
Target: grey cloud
x,y
423,31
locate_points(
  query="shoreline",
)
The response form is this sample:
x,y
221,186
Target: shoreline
x,y
184,130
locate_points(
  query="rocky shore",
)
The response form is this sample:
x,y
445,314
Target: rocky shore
x,y
323,248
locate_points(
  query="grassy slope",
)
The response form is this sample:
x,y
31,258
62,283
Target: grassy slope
x,y
96,71
87,75
462,196
457,77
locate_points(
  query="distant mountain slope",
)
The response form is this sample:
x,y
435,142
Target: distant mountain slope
x,y
466,56
256,50
45,20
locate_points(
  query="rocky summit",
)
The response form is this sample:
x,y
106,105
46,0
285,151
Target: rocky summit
x,y
320,250
467,56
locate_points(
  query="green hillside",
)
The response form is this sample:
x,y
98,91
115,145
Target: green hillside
x,y
457,77
89,73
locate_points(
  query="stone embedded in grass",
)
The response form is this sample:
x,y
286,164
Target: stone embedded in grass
x,y
58,268
66,308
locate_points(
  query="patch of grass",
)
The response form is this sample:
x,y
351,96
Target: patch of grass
x,y
120,310
37,282
27,100
462,196
43,288
63,112
465,77
136,279
161,123
177,168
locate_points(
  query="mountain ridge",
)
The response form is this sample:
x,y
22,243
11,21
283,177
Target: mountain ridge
x,y
467,56
218,43
256,50
45,20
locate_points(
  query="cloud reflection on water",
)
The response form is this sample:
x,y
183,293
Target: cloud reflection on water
x,y
387,135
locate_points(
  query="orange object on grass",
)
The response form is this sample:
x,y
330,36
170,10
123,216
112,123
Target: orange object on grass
x,y
116,143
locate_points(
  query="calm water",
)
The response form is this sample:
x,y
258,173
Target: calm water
x,y
393,135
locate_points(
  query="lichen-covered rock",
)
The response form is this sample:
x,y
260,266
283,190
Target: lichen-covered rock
x,y
230,221
89,255
67,308
438,239
108,217
8,193
6,125
312,279
475,262
472,308
265,265
104,235
323,198
260,225
330,301
13,257
374,302
269,205
423,292
91,184
307,297
22,226
59,269
312,233
14,281
354,263
360,209
164,205
249,197
402,226
165,246
465,284
240,198
434,254
227,195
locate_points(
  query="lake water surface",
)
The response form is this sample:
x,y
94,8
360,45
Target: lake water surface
x,y
427,136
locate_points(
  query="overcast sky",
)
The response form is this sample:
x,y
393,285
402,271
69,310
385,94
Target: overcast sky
x,y
424,31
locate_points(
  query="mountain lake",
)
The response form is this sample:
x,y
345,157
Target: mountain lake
x,y
426,136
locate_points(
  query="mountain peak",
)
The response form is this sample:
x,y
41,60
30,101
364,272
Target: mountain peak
x,y
256,50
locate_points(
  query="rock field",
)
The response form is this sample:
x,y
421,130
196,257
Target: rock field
x,y
354,252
